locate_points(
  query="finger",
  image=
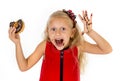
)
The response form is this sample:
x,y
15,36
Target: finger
x,y
11,36
13,32
10,30
83,13
90,21
81,18
86,19
86,16
91,17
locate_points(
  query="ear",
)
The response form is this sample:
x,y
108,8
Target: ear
x,y
73,32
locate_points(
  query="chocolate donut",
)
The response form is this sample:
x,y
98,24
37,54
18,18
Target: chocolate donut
x,y
19,25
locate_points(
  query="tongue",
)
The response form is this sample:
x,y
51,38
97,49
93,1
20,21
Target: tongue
x,y
59,42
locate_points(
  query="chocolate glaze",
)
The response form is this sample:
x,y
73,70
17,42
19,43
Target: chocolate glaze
x,y
18,25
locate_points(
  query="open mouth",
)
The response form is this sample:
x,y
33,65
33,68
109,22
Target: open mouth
x,y
59,42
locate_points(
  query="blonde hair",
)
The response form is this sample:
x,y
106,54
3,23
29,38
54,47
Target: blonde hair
x,y
76,40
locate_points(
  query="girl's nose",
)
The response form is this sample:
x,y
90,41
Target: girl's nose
x,y
58,32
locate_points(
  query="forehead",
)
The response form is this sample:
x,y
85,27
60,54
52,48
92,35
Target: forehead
x,y
59,21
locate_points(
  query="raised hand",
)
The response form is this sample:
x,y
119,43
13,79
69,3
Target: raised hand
x,y
86,21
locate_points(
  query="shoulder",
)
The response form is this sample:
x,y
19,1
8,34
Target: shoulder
x,y
79,49
81,46
43,43
41,46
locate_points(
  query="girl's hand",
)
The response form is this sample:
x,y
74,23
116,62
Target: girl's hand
x,y
86,21
13,36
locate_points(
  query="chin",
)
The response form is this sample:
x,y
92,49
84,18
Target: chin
x,y
59,48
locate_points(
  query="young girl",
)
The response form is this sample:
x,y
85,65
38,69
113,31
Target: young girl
x,y
63,48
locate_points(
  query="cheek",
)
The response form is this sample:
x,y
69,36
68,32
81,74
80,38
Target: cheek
x,y
51,36
67,36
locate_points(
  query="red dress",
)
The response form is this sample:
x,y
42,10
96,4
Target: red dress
x,y
50,70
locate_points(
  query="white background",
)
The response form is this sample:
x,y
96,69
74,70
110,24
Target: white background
x,y
35,13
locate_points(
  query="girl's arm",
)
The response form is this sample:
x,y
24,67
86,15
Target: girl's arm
x,y
25,63
101,46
